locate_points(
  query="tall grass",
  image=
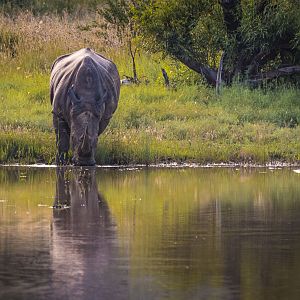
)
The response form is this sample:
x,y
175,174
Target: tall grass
x,y
42,6
34,42
152,124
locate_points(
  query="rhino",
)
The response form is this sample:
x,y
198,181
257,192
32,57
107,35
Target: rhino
x,y
84,94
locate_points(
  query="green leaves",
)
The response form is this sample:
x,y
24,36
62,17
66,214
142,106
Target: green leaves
x,y
116,12
190,30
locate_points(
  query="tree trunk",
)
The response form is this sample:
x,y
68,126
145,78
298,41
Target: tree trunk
x,y
219,75
209,74
133,54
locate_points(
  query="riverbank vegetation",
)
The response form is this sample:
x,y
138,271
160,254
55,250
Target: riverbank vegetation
x,y
185,122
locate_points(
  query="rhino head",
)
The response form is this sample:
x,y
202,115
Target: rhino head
x,y
87,96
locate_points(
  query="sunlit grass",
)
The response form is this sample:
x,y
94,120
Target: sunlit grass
x,y
185,123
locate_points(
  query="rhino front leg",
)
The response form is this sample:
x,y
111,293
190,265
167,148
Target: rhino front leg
x,y
103,124
62,132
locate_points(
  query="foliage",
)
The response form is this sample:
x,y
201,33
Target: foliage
x,y
41,6
119,14
256,36
116,12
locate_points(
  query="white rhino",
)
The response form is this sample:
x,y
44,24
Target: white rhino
x,y
84,93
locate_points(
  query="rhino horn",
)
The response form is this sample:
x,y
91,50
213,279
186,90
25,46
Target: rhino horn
x,y
85,147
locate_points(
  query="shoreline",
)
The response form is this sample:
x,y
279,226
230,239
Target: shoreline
x,y
272,165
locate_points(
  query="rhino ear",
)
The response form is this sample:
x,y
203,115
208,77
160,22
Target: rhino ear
x,y
72,95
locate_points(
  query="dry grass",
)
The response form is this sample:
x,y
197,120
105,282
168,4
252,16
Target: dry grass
x,y
31,42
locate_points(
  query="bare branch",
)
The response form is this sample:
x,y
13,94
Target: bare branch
x,y
166,77
262,57
280,72
259,60
219,75
133,54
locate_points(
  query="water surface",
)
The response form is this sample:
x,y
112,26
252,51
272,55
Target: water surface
x,y
149,233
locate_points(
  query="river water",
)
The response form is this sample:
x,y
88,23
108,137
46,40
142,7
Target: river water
x,y
157,233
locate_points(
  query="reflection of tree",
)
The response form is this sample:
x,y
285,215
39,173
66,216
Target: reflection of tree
x,y
174,244
83,235
24,233
209,233
190,234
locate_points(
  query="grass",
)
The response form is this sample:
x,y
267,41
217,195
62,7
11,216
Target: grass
x,y
154,124
191,124
186,123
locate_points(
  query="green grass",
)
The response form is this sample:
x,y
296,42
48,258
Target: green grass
x,y
154,124
186,123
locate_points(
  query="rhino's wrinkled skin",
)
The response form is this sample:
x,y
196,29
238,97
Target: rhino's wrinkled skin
x,y
84,93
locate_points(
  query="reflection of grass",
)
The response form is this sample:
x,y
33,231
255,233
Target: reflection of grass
x,y
27,194
190,221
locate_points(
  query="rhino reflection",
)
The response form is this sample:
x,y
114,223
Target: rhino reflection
x,y
83,236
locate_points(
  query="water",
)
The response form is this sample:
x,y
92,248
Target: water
x,y
149,234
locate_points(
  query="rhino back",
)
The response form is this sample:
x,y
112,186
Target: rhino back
x,y
63,74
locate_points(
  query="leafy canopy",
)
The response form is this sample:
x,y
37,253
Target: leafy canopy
x,y
255,35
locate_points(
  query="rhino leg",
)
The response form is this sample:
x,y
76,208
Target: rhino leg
x,y
103,124
62,132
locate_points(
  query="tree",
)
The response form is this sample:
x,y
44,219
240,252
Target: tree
x,y
260,39
120,14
